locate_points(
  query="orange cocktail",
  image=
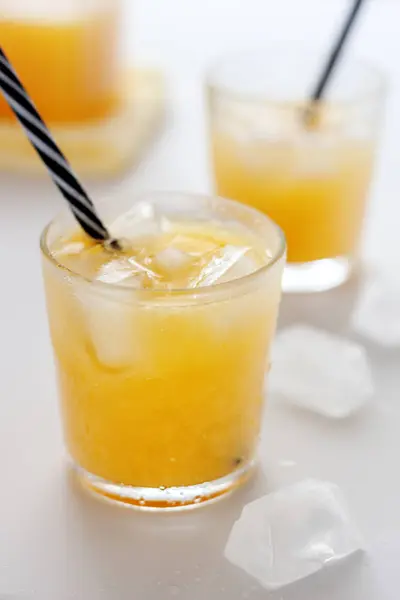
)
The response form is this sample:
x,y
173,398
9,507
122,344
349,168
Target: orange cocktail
x,y
68,62
162,349
310,176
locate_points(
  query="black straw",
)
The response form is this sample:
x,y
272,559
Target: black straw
x,y
41,139
336,52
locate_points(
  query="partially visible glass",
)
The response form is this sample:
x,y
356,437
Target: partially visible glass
x,y
67,55
70,56
311,178
162,390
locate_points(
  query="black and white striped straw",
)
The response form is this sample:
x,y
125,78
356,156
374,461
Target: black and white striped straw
x,y
44,144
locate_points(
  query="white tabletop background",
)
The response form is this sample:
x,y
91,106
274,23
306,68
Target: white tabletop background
x,y
56,542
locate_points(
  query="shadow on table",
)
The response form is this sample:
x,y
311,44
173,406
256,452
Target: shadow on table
x,y
154,555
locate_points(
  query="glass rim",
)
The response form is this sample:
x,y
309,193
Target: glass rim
x,y
213,77
193,293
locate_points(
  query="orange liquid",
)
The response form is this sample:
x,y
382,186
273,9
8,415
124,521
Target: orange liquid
x,y
156,393
70,69
317,195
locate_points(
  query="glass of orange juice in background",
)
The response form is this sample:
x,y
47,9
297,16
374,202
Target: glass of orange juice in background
x,y
312,179
161,350
67,54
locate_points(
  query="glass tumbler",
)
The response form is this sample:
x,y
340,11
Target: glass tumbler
x,y
311,176
162,391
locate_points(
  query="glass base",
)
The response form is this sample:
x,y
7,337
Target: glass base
x,y
173,498
316,276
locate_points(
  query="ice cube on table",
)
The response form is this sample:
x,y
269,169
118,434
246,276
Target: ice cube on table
x,y
292,533
230,263
319,371
377,314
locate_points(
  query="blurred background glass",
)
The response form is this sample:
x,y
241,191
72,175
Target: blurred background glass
x,y
184,39
309,171
102,108
66,53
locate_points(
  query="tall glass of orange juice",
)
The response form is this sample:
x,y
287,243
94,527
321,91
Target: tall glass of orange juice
x,y
162,348
66,53
310,176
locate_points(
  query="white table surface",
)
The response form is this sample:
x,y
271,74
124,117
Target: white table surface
x,y
57,542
